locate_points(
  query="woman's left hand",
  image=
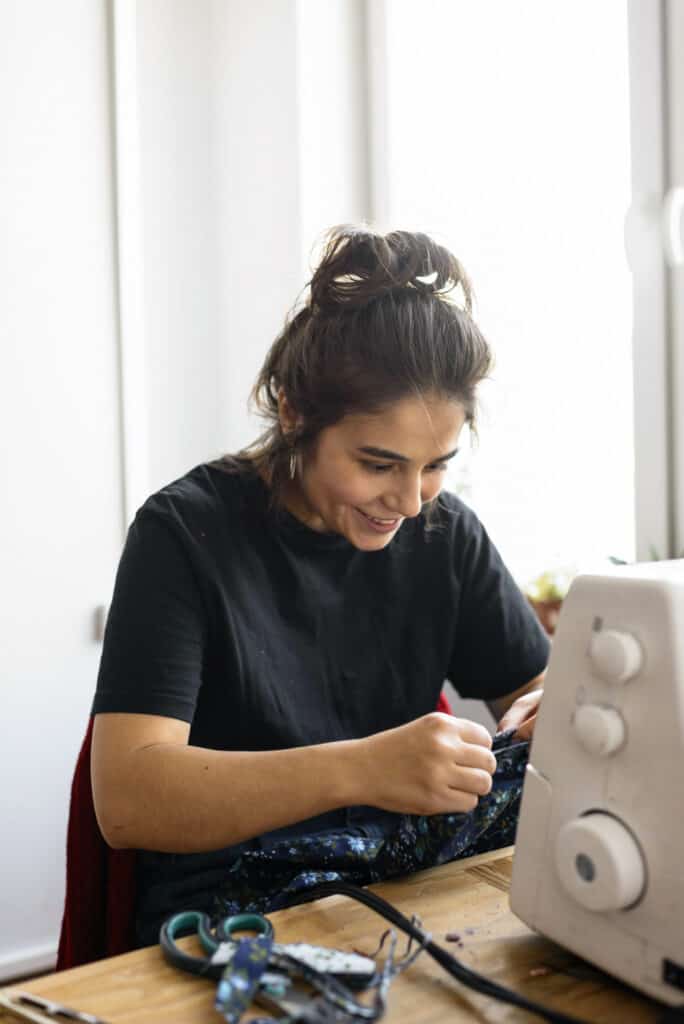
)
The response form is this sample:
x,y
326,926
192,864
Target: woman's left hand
x,y
522,715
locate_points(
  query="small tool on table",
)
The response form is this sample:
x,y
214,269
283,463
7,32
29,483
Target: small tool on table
x,y
27,1006
257,969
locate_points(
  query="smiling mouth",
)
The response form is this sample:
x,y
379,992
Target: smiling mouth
x,y
379,522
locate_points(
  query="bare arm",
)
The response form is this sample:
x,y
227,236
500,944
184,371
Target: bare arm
x,y
153,791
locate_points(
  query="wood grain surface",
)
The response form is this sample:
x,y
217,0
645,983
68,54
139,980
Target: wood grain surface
x,y
464,905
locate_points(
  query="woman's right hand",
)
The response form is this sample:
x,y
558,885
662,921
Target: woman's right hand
x,y
436,764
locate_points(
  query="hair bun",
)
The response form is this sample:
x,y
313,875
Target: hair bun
x,y
359,265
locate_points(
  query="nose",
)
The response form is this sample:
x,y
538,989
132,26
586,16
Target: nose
x,y
405,498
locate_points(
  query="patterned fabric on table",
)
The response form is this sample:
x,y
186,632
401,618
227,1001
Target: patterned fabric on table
x,y
268,877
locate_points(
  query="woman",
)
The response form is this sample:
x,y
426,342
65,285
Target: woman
x,y
283,619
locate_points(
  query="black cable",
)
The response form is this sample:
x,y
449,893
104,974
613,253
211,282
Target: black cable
x,y
450,963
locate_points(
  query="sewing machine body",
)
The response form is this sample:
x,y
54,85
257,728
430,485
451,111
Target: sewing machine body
x,y
599,861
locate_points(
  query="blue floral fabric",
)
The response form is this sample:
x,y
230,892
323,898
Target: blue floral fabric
x,y
267,877
360,845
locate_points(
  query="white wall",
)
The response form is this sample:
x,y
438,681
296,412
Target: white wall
x,y
227,219
332,76
178,151
61,509
253,141
257,204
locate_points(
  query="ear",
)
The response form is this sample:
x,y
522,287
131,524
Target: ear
x,y
289,420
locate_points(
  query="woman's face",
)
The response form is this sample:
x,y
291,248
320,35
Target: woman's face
x,y
368,473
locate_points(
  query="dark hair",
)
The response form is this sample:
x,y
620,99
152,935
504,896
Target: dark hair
x,y
377,324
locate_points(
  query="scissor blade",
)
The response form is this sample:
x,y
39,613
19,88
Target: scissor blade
x,y
318,958
302,1007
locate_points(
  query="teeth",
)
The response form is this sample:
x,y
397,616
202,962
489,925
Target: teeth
x,y
375,519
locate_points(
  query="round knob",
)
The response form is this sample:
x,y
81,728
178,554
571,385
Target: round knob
x,y
601,731
615,656
599,863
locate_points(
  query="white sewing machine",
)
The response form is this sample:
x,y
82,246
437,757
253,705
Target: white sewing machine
x,y
599,860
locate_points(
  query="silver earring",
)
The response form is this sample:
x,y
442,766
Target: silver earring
x,y
293,463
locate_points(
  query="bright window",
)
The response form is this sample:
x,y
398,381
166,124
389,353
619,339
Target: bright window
x,y
508,139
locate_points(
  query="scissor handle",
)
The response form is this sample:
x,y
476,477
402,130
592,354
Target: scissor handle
x,y
243,923
183,923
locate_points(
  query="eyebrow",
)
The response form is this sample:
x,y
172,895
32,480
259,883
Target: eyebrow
x,y
383,453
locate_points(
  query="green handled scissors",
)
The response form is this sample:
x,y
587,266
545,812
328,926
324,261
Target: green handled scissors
x,y
240,973
267,968
212,964
219,944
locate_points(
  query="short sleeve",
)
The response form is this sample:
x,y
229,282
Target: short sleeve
x,y
156,628
499,644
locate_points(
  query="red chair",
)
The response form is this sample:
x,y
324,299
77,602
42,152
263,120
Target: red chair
x,y
444,705
99,908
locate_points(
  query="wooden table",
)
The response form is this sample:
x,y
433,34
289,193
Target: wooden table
x,y
466,899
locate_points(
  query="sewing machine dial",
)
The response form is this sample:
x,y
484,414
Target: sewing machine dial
x,y
615,656
599,862
600,730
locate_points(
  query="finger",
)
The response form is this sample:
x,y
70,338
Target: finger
x,y
470,755
525,730
460,802
472,780
515,718
472,732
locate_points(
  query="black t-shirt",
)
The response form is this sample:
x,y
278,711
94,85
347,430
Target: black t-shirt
x,y
264,634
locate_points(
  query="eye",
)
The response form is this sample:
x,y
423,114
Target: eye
x,y
376,467
437,467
